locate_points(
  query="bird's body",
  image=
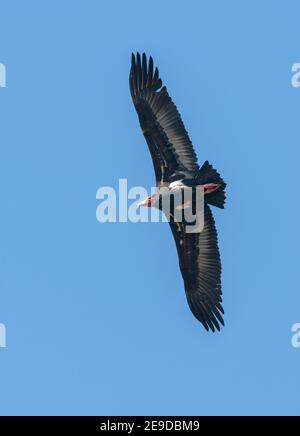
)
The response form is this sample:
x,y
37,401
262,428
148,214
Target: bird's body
x,y
176,169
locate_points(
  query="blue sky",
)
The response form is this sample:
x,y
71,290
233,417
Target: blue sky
x,y
96,316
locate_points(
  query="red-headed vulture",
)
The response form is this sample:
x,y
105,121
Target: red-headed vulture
x,y
175,165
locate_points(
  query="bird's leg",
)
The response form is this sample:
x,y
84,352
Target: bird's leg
x,y
210,187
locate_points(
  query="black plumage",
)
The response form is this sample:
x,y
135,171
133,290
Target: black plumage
x,y
174,158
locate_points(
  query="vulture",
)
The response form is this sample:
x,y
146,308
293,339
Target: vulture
x,y
175,166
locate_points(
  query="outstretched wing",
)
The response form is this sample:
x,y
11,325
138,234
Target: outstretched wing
x,y
170,146
200,265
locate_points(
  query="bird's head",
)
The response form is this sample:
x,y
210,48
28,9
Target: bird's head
x,y
147,202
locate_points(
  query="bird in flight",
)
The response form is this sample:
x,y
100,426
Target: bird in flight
x,y
175,165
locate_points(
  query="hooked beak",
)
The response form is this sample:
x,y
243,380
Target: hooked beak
x,y
147,202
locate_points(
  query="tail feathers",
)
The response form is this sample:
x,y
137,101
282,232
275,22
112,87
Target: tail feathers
x,y
207,174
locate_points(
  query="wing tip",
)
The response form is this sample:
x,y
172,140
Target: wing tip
x,y
210,316
142,72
